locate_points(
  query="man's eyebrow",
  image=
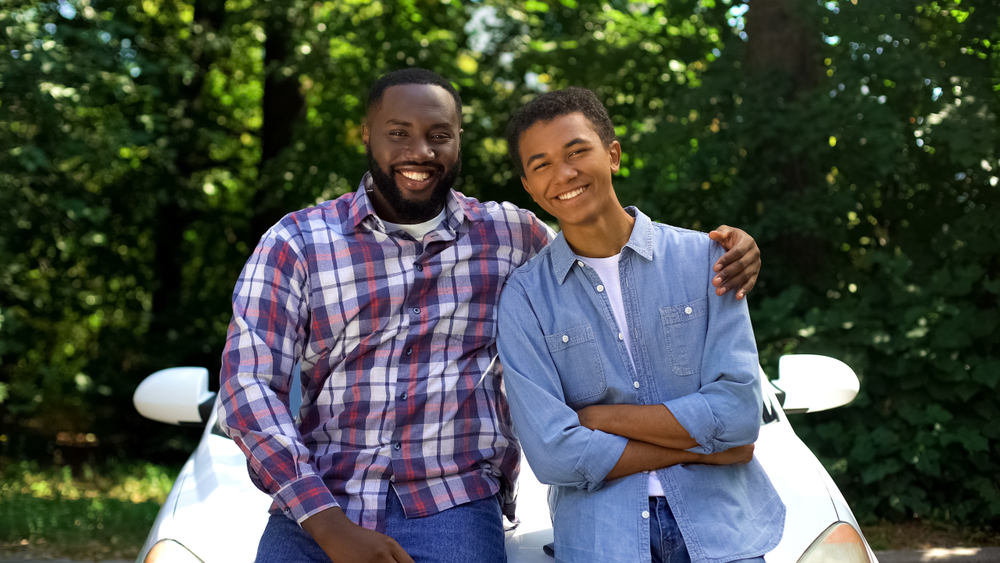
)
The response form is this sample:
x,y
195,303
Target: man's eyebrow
x,y
402,123
534,157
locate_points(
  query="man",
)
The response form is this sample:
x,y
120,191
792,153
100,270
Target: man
x,y
634,393
387,298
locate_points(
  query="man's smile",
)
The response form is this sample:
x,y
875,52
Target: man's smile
x,y
419,176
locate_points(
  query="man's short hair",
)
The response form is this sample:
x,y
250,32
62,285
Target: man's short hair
x,y
411,75
551,105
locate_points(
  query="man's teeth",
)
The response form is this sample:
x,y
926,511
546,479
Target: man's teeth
x,y
418,176
572,194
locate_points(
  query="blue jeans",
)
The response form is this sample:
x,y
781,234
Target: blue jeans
x,y
468,533
665,539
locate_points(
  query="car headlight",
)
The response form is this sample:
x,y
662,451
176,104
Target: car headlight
x,y
169,551
840,543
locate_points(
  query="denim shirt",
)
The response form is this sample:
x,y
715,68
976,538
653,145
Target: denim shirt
x,y
694,352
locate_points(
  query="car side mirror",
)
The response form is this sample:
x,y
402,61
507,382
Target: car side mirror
x,y
176,396
814,383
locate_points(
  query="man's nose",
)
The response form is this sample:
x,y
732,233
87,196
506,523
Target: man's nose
x,y
419,150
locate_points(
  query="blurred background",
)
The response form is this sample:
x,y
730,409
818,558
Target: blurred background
x,y
145,146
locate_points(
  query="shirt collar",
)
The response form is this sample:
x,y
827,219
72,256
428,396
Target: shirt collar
x,y
457,208
640,241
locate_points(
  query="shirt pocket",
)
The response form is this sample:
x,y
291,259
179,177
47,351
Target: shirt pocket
x,y
574,352
684,328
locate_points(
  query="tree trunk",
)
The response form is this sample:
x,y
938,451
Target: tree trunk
x,y
782,59
282,107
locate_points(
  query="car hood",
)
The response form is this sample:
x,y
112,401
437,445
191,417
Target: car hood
x,y
218,513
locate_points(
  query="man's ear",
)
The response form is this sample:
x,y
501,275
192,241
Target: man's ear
x,y
615,152
365,134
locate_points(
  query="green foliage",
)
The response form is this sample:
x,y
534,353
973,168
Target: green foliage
x,y
100,512
145,146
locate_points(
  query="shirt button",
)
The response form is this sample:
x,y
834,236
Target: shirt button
x,y
579,263
396,446
645,514
635,384
688,310
621,336
403,397
416,310
646,472
600,288
420,268
565,338
409,351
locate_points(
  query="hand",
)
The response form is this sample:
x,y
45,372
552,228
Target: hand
x,y
739,454
344,541
740,265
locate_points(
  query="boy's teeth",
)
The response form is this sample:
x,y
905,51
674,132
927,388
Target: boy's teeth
x,y
572,194
419,176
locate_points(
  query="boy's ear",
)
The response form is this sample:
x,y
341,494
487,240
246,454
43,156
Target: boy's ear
x,y
524,183
615,152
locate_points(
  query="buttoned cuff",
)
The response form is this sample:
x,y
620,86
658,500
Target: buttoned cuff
x,y
304,497
696,416
599,457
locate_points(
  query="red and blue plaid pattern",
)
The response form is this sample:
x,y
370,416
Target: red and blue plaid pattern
x,y
396,339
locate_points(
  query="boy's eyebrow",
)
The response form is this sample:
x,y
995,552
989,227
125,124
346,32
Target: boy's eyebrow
x,y
534,157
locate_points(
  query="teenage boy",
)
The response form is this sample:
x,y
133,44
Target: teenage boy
x,y
633,392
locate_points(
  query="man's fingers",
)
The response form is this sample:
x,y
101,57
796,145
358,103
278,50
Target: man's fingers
x,y
721,233
746,288
740,275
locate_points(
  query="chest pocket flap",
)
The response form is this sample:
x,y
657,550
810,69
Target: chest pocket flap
x,y
684,329
574,352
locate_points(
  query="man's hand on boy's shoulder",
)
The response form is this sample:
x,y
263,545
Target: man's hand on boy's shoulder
x,y
739,267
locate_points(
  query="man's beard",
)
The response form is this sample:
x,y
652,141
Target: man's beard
x,y
409,211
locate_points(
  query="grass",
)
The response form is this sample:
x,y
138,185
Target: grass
x,y
95,514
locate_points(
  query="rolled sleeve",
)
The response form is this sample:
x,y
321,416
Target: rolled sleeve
x,y
694,413
304,497
561,452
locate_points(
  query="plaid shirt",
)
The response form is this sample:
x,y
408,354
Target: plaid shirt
x,y
396,339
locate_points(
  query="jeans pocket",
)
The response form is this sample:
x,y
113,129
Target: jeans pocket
x,y
574,352
684,329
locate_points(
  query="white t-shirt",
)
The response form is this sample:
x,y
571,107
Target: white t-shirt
x,y
418,230
607,270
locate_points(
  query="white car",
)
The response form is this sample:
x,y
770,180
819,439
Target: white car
x,y
214,514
